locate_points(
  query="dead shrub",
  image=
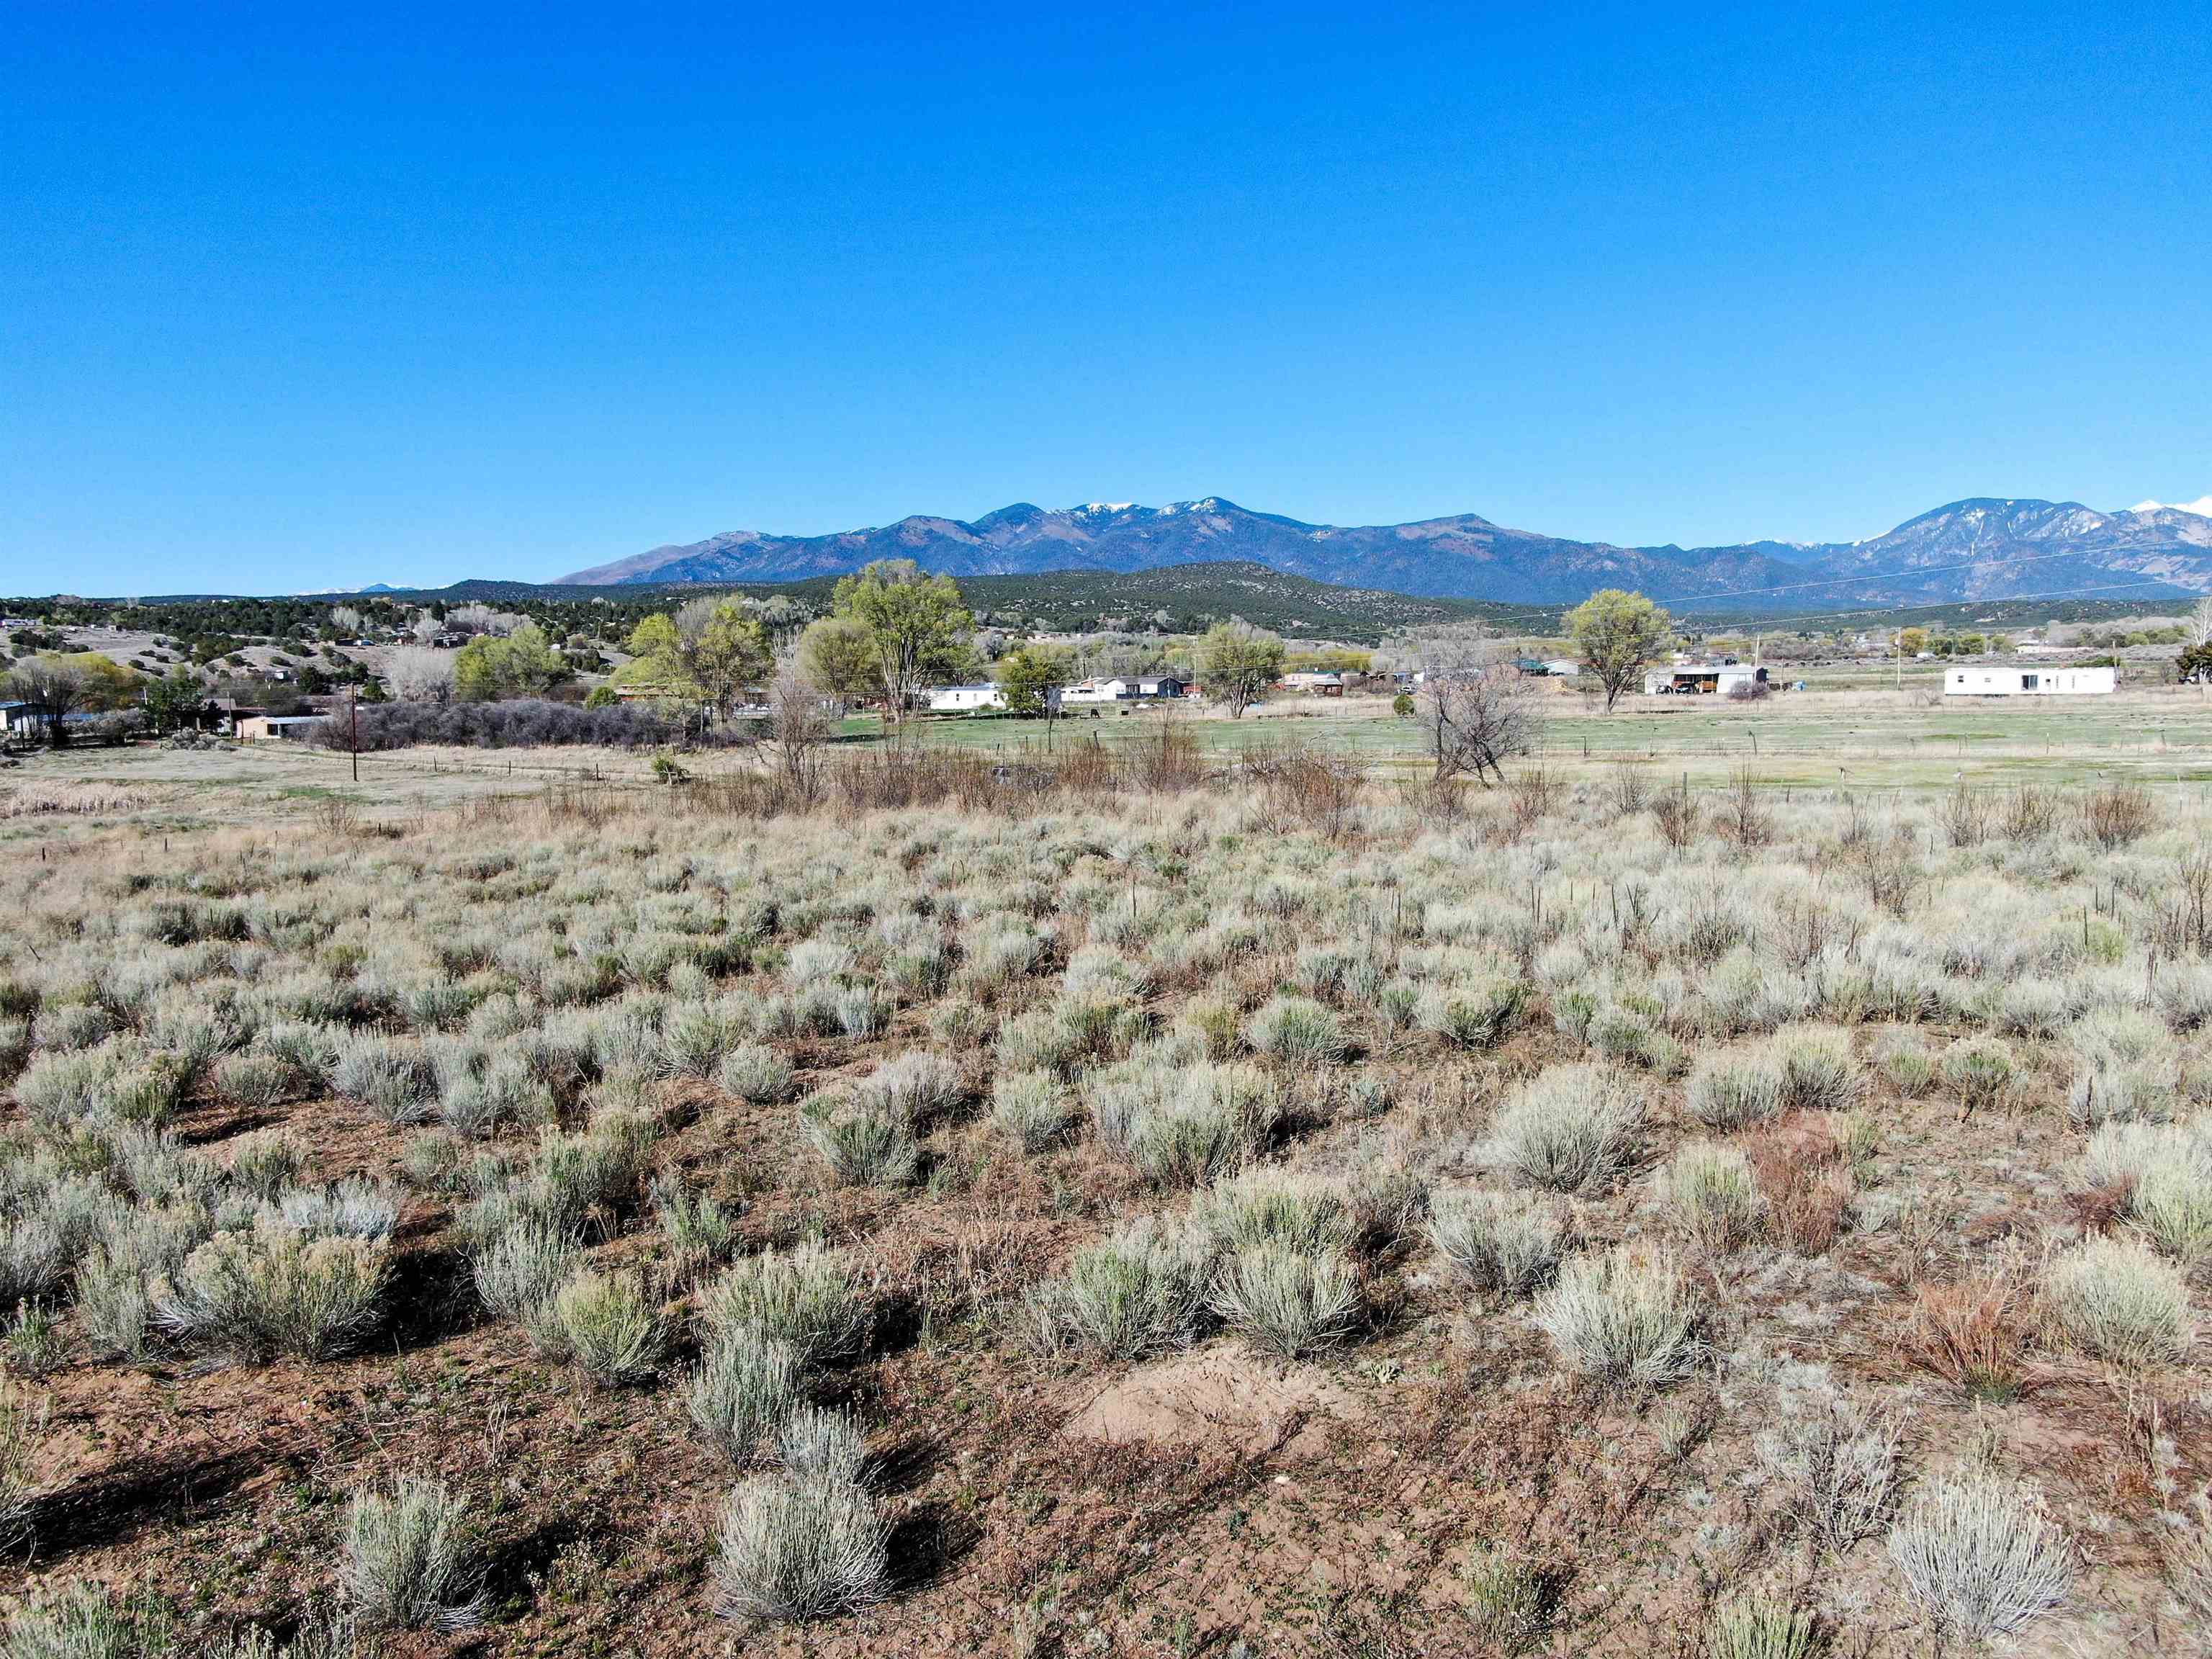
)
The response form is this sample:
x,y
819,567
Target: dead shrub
x,y
1972,1333
1630,791
1742,819
1302,788
2118,815
1533,793
1675,810
1805,1179
1965,815
2030,812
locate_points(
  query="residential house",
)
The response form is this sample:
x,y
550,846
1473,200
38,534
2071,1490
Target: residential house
x,y
265,727
20,719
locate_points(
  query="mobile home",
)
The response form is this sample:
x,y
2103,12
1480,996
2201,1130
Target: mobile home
x,y
2029,682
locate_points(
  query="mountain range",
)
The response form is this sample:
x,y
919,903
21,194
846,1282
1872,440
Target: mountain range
x,y
1979,549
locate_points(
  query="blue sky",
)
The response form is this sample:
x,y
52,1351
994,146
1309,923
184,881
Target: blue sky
x,y
289,301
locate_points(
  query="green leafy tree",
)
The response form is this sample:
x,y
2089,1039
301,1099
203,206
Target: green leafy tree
x,y
917,626
837,659
523,665
1027,672
175,701
709,653
1912,641
1236,662
1617,632
602,697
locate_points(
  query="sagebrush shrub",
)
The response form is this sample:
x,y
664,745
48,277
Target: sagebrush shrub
x,y
864,1146
20,1426
754,1072
1296,1032
798,1546
2121,1301
1979,1070
817,1444
1733,1091
352,1208
1501,1242
1031,1108
747,1383
86,1622
1623,1319
1836,1464
609,1328
1757,1628
1572,1128
518,1270
393,1078
1276,1207
1819,1071
255,1293
1287,1301
1979,1558
1136,1293
1472,1013
409,1563
1711,1191
806,1296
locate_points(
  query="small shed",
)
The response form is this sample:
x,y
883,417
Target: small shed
x,y
1700,680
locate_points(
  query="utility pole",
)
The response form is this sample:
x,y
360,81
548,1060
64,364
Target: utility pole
x,y
353,731
1900,659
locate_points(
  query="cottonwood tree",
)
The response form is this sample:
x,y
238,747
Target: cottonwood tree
x,y
1479,711
1617,632
2197,626
838,659
418,674
917,626
708,654
1236,662
59,688
1028,674
175,701
523,664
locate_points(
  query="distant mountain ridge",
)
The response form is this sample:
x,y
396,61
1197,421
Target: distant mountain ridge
x,y
1981,548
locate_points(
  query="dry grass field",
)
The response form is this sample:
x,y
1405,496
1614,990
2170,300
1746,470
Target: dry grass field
x,y
1272,1208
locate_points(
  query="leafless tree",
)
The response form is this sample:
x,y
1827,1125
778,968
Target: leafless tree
x,y
58,689
418,674
1480,711
2197,625
799,730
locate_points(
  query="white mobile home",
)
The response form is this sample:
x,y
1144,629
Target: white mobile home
x,y
962,699
2029,682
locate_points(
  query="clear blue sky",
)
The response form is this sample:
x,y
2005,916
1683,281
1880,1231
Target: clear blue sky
x,y
289,300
